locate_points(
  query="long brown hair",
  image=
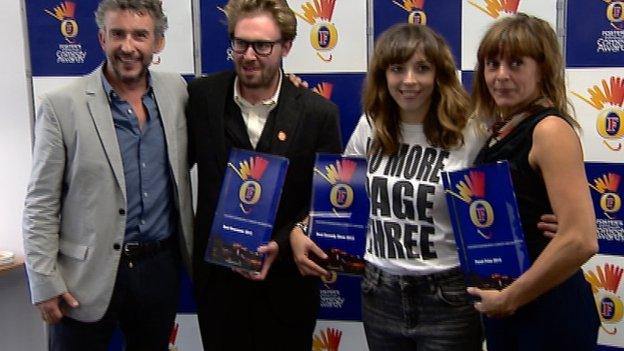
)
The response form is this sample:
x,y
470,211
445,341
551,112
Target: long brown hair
x,y
449,108
519,36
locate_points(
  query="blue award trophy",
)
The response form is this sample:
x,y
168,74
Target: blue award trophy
x,y
339,212
248,203
486,224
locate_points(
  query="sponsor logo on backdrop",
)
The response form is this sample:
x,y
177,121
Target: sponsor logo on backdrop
x,y
250,173
607,185
471,190
607,99
172,337
611,39
415,9
331,297
69,52
324,89
605,282
323,34
327,340
609,226
496,8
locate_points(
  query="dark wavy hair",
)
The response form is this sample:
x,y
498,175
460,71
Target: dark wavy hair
x,y
450,104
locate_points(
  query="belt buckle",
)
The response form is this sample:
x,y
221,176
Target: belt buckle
x,y
129,247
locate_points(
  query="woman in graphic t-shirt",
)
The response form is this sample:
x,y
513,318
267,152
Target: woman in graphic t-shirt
x,y
415,126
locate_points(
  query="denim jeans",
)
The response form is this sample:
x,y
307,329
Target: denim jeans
x,y
425,313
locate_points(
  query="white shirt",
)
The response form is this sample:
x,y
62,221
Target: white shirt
x,y
255,116
409,231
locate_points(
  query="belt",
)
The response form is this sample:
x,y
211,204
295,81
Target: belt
x,y
380,274
139,249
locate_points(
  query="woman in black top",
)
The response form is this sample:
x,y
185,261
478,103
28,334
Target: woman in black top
x,y
520,92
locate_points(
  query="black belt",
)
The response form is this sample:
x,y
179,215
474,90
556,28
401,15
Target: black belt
x,y
139,249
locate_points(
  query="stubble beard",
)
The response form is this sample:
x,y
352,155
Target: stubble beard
x,y
263,80
126,78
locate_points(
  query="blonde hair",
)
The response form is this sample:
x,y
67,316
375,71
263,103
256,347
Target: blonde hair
x,y
282,14
449,107
519,36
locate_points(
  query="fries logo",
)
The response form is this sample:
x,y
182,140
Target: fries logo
x,y
339,175
323,34
70,51
605,282
496,8
64,12
415,9
610,200
324,89
173,336
250,173
327,340
471,190
607,100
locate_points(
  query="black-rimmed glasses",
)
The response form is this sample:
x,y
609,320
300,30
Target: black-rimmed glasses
x,y
261,47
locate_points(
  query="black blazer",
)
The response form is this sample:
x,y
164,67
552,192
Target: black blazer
x,y
215,124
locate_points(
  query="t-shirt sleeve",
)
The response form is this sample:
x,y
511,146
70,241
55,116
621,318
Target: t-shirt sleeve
x,y
359,139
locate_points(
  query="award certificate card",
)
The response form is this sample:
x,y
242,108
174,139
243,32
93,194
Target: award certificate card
x,y
248,203
339,212
486,224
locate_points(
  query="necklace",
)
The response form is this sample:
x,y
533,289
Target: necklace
x,y
504,125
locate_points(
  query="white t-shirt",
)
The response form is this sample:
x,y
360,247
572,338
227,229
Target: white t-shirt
x,y
409,231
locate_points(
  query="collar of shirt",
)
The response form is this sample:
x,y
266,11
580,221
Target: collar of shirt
x,y
267,105
255,116
113,96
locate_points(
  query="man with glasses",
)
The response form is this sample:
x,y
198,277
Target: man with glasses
x,y
255,108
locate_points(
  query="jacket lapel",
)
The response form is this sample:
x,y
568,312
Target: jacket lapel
x,y
235,127
99,108
167,117
282,122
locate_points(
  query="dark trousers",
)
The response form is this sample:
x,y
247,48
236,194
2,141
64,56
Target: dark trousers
x,y
425,313
237,314
143,305
564,318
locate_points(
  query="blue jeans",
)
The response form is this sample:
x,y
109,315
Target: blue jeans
x,y
425,313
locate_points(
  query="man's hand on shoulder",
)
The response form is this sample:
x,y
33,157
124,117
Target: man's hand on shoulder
x,y
53,310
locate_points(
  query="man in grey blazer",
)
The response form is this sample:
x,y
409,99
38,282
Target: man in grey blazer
x,y
108,215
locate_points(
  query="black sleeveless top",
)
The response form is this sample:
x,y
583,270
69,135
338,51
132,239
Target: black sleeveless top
x,y
528,184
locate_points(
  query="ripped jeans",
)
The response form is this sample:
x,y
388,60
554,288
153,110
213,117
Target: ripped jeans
x,y
425,313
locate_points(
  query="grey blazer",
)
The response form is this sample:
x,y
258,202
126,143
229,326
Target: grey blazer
x,y
74,211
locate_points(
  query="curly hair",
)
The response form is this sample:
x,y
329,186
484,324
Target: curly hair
x,y
153,8
448,112
283,15
517,36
